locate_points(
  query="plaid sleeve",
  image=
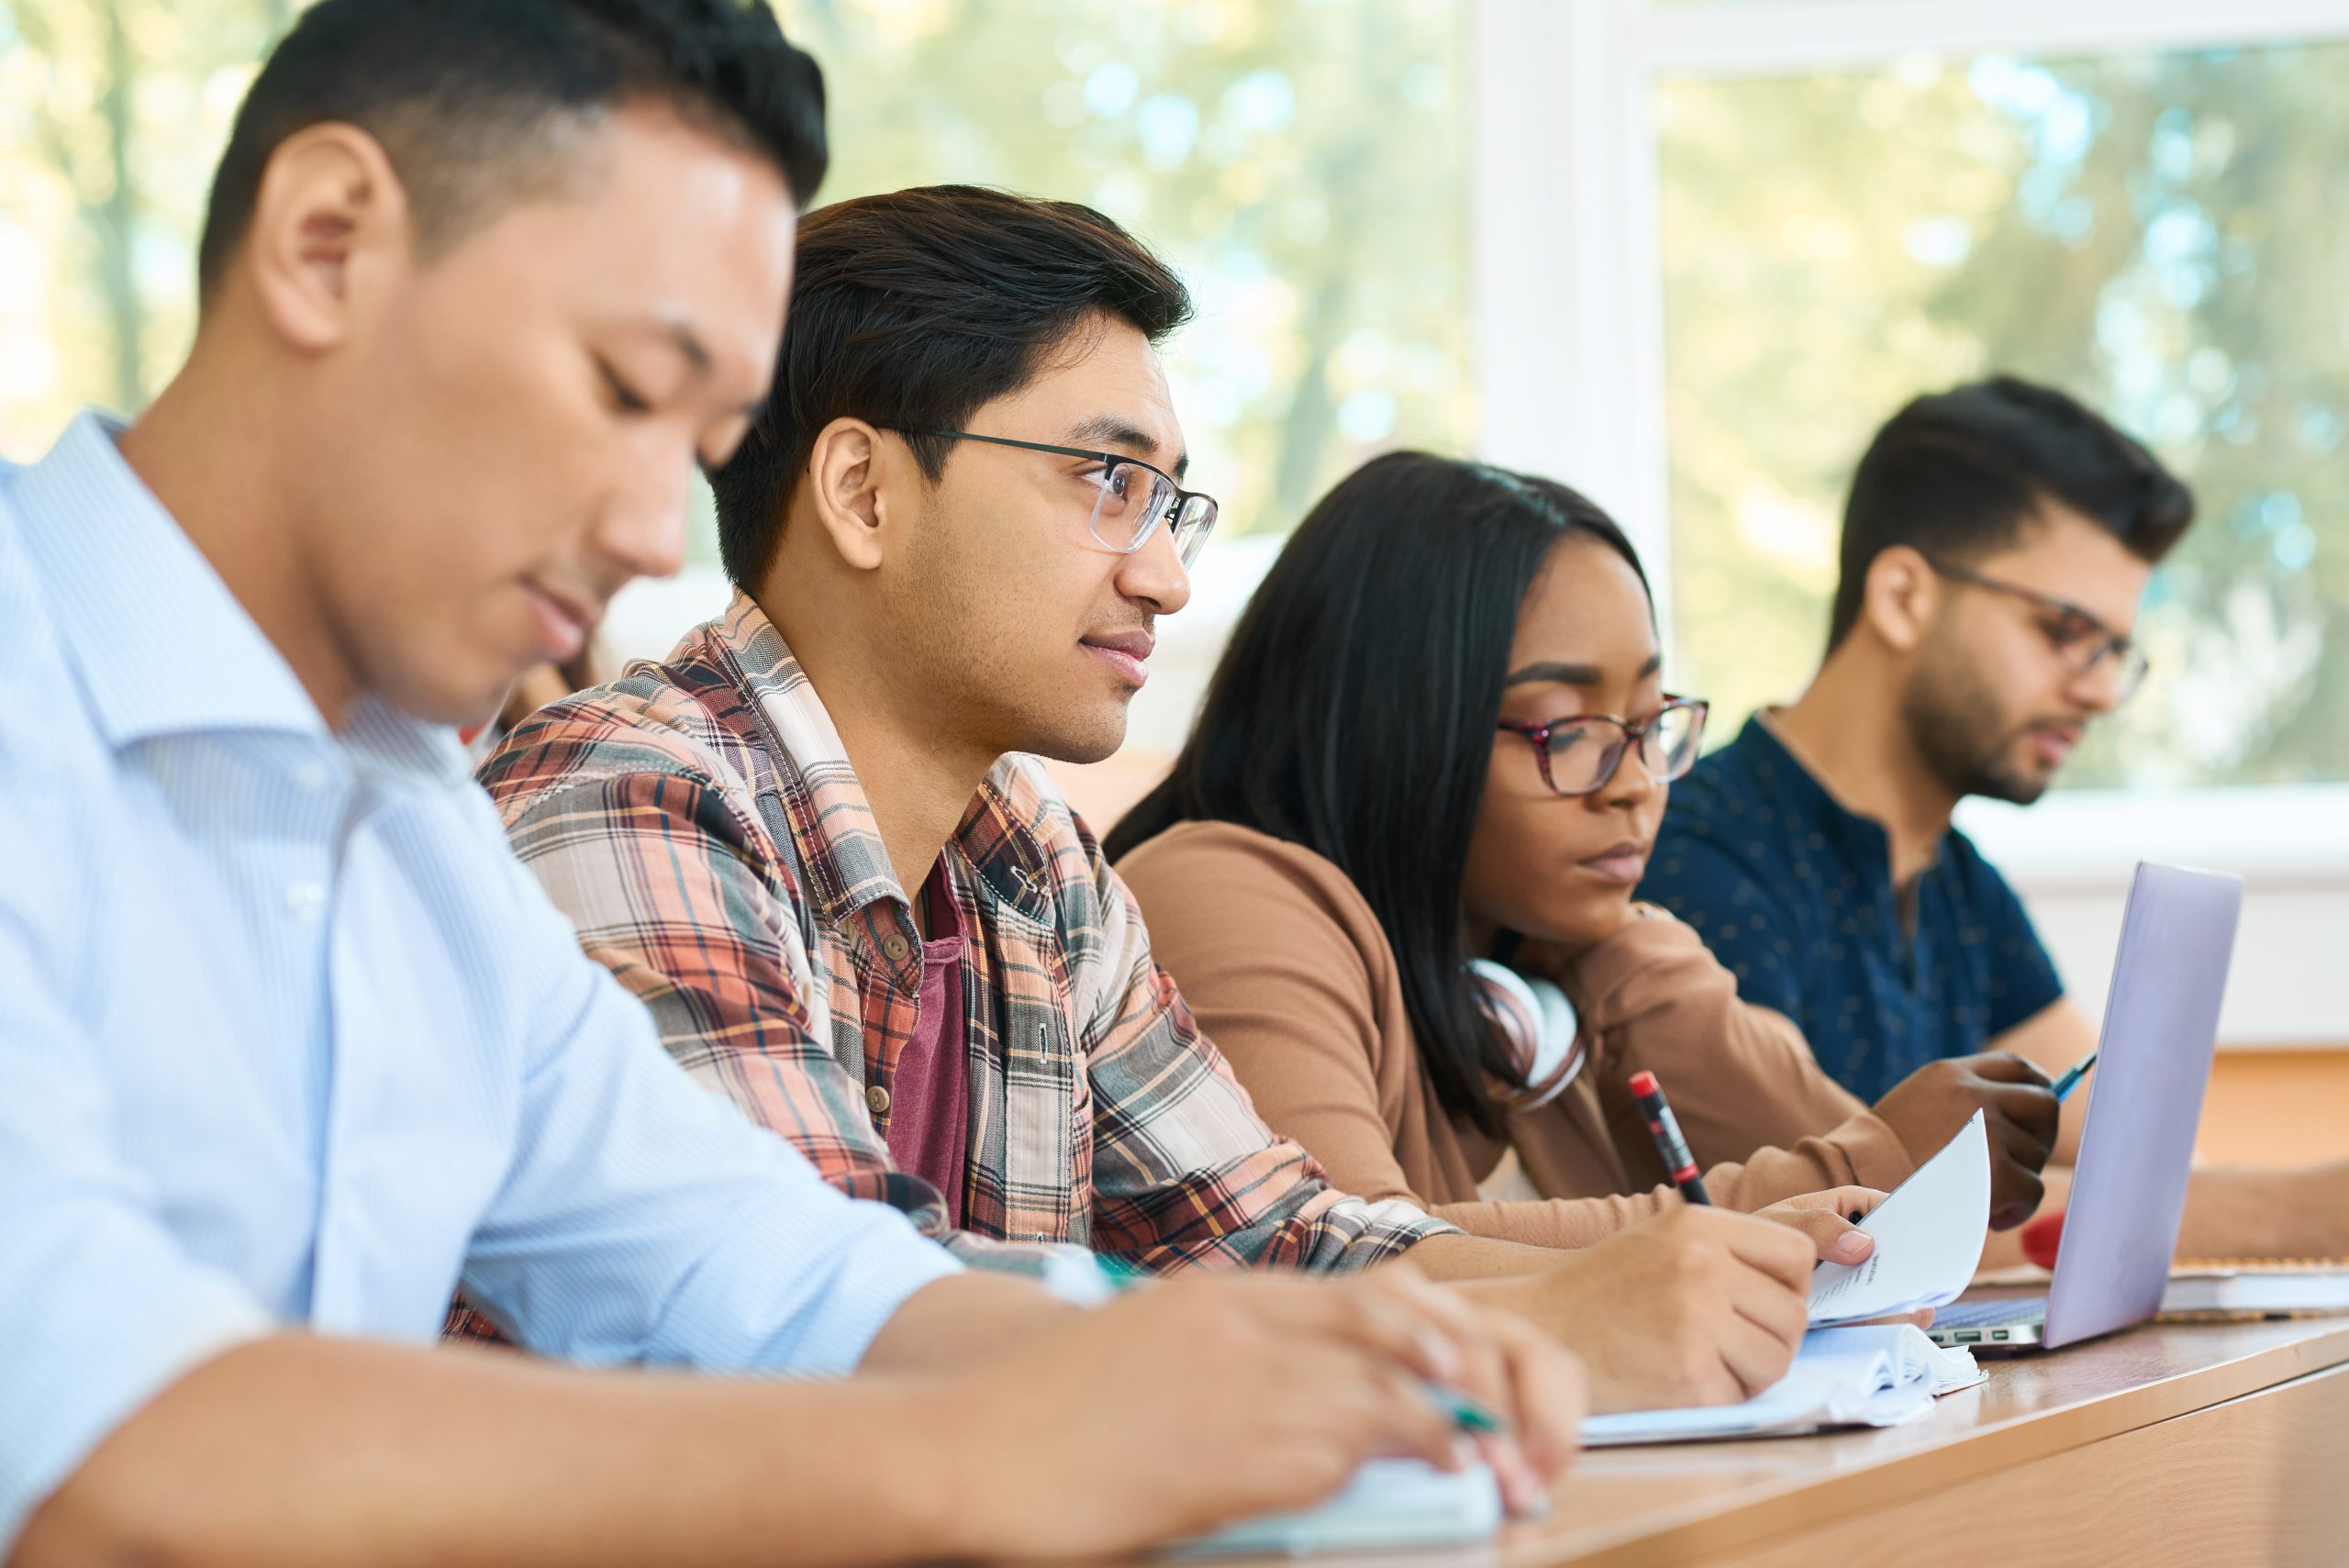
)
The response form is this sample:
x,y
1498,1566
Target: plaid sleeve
x,y
679,892
1184,1171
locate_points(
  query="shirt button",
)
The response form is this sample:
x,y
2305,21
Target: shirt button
x,y
897,947
306,899
878,1099
312,776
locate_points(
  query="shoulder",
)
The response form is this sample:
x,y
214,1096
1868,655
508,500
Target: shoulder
x,y
1982,888
682,718
1218,882
49,735
1228,853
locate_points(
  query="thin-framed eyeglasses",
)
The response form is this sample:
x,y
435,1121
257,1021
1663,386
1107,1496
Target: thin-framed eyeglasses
x,y
2081,640
1579,754
1130,497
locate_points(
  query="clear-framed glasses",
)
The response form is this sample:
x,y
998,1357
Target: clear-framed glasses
x,y
2080,641
1130,499
1579,754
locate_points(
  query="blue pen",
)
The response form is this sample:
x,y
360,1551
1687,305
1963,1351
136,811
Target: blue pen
x,y
2072,1076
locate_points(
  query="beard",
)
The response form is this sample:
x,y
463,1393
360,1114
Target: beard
x,y
1960,728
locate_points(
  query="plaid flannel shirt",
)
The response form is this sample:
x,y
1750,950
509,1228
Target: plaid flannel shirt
x,y
701,825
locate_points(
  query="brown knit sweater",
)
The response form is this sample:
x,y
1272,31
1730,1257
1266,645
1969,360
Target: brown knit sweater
x,y
1293,979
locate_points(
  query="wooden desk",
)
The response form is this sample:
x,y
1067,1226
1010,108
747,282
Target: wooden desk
x,y
2201,1445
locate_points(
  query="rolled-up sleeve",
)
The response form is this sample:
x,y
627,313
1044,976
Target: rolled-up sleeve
x,y
100,1307
644,1220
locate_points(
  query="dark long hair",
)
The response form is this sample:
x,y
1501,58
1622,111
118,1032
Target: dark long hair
x,y
1353,712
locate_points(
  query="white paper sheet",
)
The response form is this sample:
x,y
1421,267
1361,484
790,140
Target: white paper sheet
x,y
1390,1504
1880,1375
1929,1237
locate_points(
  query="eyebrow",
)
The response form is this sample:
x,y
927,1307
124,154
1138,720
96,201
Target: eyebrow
x,y
1574,674
1109,430
701,362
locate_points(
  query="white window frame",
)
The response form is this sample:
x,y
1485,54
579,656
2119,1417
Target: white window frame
x,y
1569,342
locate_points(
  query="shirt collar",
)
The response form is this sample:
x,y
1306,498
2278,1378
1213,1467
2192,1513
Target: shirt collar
x,y
161,645
1773,762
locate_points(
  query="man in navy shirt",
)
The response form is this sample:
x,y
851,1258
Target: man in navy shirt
x,y
1996,541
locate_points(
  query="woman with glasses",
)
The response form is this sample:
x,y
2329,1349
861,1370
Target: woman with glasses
x,y
1393,872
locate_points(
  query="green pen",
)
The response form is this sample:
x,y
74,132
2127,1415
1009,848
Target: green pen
x,y
1465,1412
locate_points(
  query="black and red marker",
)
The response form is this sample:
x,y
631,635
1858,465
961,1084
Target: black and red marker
x,y
1665,1129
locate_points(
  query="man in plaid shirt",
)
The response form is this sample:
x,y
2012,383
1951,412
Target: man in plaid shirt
x,y
816,842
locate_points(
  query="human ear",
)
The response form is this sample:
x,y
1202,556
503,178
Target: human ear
x,y
1901,593
844,491
330,219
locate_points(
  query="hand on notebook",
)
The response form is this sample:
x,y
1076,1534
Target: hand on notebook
x,y
1696,1307
1827,1219
1187,1405
1926,1109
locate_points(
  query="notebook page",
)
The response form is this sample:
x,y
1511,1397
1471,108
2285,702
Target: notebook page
x,y
1929,1237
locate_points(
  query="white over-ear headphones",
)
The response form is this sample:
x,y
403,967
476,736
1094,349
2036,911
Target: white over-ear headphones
x,y
1544,1033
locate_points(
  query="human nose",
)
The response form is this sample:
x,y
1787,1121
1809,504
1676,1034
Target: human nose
x,y
1634,780
644,535
2103,684
1154,574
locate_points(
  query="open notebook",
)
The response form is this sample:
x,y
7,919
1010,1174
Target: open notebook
x,y
1866,1375
1390,1504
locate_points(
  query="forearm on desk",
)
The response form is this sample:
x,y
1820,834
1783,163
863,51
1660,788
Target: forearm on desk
x,y
1465,1258
962,1320
294,1449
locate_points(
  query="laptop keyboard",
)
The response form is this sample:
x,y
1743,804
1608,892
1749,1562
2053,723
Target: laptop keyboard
x,y
1983,1314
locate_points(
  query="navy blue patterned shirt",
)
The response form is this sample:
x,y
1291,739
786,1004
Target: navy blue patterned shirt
x,y
1794,893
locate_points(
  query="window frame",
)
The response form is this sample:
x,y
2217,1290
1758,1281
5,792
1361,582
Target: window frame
x,y
1569,338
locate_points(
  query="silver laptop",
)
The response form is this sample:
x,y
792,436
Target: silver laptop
x,y
2161,1023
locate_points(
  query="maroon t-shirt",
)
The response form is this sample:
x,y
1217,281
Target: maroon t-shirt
x,y
929,1115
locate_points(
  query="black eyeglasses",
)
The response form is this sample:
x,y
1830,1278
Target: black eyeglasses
x,y
1125,512
2081,640
1580,754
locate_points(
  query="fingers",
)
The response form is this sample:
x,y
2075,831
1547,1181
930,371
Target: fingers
x,y
1769,1250
1550,1394
1375,1314
1523,1493
2007,1068
1414,1424
1831,1220
1785,1315
2026,1107
1538,1400
1856,1203
1479,1367
2015,1192
1356,1401
1754,1355
1835,1238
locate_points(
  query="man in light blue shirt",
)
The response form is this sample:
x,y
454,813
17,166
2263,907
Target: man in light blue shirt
x,y
290,1046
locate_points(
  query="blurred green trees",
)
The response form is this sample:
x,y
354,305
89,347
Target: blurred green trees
x,y
1302,161
2166,237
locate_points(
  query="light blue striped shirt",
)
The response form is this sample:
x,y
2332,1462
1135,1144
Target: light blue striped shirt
x,y
287,1037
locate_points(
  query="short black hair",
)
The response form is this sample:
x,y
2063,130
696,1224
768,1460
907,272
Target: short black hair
x,y
1960,474
915,310
470,98
1352,714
